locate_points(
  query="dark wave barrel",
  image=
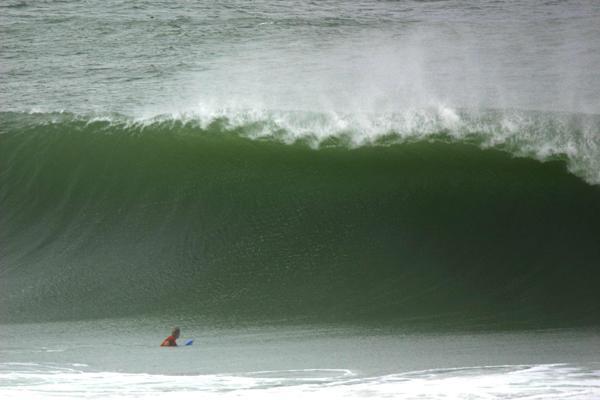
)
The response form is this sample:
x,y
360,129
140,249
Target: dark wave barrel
x,y
103,219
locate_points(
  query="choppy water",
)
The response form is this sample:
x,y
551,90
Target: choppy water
x,y
156,57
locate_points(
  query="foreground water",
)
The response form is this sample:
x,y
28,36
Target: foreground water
x,y
122,359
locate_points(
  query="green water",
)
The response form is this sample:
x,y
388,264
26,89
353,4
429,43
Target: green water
x,y
108,220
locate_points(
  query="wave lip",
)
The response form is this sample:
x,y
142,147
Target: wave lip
x,y
539,135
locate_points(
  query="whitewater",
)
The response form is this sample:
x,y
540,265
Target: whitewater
x,y
366,199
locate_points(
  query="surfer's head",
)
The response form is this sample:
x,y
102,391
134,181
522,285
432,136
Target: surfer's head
x,y
175,332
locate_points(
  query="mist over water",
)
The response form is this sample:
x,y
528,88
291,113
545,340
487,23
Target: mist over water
x,y
520,75
367,56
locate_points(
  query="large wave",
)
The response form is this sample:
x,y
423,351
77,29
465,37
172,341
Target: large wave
x,y
425,215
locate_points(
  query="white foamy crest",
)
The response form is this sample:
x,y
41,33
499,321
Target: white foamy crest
x,y
539,135
534,134
547,381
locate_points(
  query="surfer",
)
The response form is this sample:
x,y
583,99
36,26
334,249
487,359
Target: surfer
x,y
171,340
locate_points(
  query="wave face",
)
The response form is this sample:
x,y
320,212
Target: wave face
x,y
210,219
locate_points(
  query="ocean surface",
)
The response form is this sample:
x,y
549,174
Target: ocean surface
x,y
335,199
